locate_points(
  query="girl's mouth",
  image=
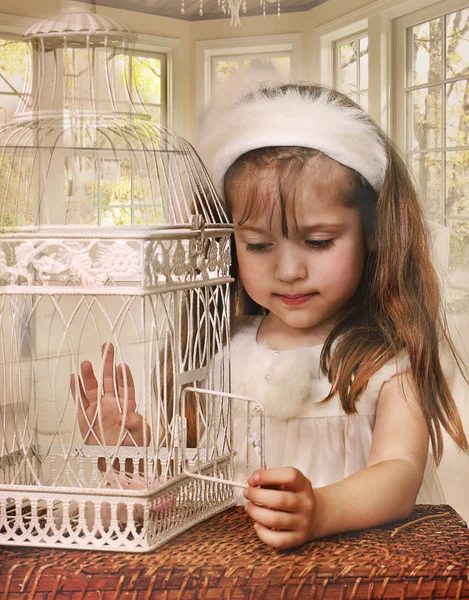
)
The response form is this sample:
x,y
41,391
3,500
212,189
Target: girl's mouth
x,y
296,300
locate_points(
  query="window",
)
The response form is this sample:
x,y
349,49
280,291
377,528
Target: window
x,y
142,77
435,132
224,66
14,70
351,68
106,190
216,60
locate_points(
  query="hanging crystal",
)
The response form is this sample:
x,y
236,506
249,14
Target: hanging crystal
x,y
232,7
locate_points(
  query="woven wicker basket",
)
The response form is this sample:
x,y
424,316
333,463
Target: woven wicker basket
x,y
223,558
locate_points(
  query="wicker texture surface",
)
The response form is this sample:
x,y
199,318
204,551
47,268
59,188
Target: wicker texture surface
x,y
223,558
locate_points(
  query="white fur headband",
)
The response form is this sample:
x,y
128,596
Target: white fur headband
x,y
288,118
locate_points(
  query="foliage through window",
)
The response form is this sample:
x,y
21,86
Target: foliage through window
x,y
437,94
351,68
225,66
14,68
107,190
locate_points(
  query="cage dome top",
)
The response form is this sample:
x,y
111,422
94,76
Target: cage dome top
x,y
78,21
84,151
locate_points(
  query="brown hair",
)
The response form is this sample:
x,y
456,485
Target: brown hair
x,y
397,306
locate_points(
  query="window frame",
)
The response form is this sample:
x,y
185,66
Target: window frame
x,y
266,45
378,20
240,57
355,37
401,88
163,105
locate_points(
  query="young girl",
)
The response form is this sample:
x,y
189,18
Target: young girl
x,y
337,314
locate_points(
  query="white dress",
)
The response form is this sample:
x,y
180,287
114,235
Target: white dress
x,y
322,441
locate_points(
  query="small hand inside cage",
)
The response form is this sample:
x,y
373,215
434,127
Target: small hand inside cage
x,y
107,413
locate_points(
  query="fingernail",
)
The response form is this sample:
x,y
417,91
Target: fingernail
x,y
246,492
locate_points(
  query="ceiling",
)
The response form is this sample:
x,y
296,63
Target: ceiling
x,y
172,8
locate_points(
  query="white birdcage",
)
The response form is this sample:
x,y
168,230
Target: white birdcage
x,y
151,293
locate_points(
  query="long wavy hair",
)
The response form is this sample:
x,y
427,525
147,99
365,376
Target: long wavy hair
x,y
397,306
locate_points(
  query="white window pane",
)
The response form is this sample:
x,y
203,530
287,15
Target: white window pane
x,y
119,70
457,303
457,113
348,67
146,79
426,48
282,64
426,168
8,105
76,78
363,101
153,111
457,183
225,67
115,186
14,65
81,195
364,63
459,252
112,72
424,118
457,42
223,70
148,215
278,65
116,216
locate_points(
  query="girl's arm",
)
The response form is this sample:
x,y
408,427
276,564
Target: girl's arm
x,y
385,490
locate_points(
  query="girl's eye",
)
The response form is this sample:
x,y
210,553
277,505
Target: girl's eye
x,y
257,247
319,244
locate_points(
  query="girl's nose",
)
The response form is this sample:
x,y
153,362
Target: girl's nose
x,y
290,265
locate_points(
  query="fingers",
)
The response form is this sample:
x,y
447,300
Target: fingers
x,y
276,499
287,478
279,539
272,518
125,387
282,508
107,351
90,383
80,395
135,425
133,422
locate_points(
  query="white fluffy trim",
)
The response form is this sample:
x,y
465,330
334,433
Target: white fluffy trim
x,y
282,386
288,119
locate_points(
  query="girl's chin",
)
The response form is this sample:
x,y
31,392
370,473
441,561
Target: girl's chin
x,y
299,321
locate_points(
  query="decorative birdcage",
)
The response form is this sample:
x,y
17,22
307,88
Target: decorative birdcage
x,y
148,291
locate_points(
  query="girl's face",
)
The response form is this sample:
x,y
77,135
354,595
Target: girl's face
x,y
305,278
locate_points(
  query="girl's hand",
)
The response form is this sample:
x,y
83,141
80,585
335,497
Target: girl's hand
x,y
282,508
100,416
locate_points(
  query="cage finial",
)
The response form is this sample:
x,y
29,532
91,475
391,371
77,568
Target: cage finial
x,y
71,6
